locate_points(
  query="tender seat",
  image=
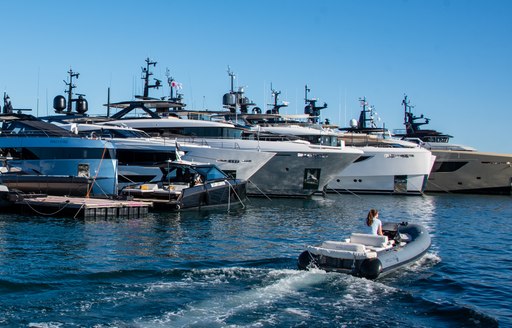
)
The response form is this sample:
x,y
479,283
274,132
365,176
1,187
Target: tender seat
x,y
369,239
342,250
344,246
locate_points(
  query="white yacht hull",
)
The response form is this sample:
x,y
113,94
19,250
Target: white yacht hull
x,y
138,156
240,164
385,171
470,172
297,170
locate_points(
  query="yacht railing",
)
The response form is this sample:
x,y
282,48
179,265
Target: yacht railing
x,y
203,142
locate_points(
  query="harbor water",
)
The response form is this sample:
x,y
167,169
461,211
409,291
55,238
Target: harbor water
x,y
239,268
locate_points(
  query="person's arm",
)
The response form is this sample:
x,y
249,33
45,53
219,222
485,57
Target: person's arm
x,y
379,231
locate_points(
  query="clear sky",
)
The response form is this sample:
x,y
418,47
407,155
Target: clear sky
x,y
453,58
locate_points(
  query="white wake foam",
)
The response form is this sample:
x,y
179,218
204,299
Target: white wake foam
x,y
215,311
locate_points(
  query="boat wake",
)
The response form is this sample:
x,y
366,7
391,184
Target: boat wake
x,y
254,293
268,288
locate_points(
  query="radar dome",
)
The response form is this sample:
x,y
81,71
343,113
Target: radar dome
x,y
81,105
229,99
59,103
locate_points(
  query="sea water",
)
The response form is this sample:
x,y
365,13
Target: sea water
x,y
239,268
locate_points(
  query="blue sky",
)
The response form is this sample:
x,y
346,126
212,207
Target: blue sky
x,y
452,58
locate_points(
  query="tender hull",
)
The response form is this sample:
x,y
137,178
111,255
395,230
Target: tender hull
x,y
211,195
387,260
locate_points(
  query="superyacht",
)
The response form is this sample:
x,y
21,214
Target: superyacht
x,y
457,168
387,166
138,154
298,168
40,157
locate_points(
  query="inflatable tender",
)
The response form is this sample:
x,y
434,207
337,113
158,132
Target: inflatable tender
x,y
369,256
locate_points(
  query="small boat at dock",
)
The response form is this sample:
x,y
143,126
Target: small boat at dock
x,y
188,185
370,256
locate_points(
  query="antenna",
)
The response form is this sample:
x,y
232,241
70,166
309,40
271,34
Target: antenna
x,y
232,77
108,102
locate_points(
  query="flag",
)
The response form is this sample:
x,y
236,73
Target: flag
x,y
176,85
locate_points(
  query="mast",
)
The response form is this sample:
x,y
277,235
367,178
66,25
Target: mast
x,y
407,112
410,121
236,99
174,100
275,107
311,108
7,104
145,76
71,86
61,103
170,81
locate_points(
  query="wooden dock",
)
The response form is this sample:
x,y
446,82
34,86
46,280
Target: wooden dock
x,y
83,208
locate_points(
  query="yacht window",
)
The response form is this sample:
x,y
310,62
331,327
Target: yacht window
x,y
449,166
362,158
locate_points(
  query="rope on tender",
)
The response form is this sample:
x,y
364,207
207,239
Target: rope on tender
x,y
312,264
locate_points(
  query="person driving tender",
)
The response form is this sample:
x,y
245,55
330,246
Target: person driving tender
x,y
373,223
